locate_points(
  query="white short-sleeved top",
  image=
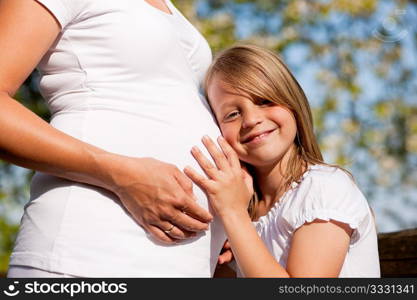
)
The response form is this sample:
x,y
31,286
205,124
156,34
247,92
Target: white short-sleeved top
x,y
325,193
123,76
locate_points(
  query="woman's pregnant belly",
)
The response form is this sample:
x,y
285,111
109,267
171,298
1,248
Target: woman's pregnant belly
x,y
83,230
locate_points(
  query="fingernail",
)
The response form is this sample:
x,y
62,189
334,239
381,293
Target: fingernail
x,y
206,138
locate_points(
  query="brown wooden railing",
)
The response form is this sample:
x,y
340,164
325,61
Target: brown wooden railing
x,y
398,253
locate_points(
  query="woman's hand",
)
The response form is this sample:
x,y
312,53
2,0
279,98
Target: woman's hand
x,y
228,187
159,197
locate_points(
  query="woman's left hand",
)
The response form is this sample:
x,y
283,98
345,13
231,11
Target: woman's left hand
x,y
228,186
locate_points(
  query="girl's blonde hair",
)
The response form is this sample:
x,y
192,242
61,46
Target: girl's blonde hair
x,y
261,74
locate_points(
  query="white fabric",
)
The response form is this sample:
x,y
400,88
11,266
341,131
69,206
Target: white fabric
x,y
325,193
123,76
29,272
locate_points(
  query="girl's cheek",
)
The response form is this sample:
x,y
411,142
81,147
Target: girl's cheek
x,y
233,144
230,138
226,134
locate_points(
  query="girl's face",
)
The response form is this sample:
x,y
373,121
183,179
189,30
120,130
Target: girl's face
x,y
260,132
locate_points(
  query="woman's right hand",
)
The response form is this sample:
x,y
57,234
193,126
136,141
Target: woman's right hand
x,y
159,197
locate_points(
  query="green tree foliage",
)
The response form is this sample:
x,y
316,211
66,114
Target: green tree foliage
x,y
362,88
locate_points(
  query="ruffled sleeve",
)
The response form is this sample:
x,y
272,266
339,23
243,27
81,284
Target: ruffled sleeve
x,y
64,11
329,194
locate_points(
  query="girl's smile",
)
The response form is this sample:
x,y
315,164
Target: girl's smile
x,y
256,139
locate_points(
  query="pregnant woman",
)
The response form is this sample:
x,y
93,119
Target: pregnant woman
x,y
121,79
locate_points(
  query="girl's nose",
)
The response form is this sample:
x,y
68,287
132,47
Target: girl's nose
x,y
252,117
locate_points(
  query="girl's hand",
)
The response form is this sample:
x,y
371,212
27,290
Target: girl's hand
x,y
228,187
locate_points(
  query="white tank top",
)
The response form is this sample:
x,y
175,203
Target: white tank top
x,y
123,76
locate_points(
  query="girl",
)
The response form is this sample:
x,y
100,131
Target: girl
x,y
310,219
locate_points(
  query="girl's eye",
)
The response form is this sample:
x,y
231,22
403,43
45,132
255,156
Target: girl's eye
x,y
232,115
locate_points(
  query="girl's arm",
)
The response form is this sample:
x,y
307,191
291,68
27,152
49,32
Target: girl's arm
x,y
251,254
317,249
155,199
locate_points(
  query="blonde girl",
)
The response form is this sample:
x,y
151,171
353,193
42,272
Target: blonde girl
x,y
308,218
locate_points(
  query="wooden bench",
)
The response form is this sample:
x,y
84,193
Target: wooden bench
x,y
398,253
